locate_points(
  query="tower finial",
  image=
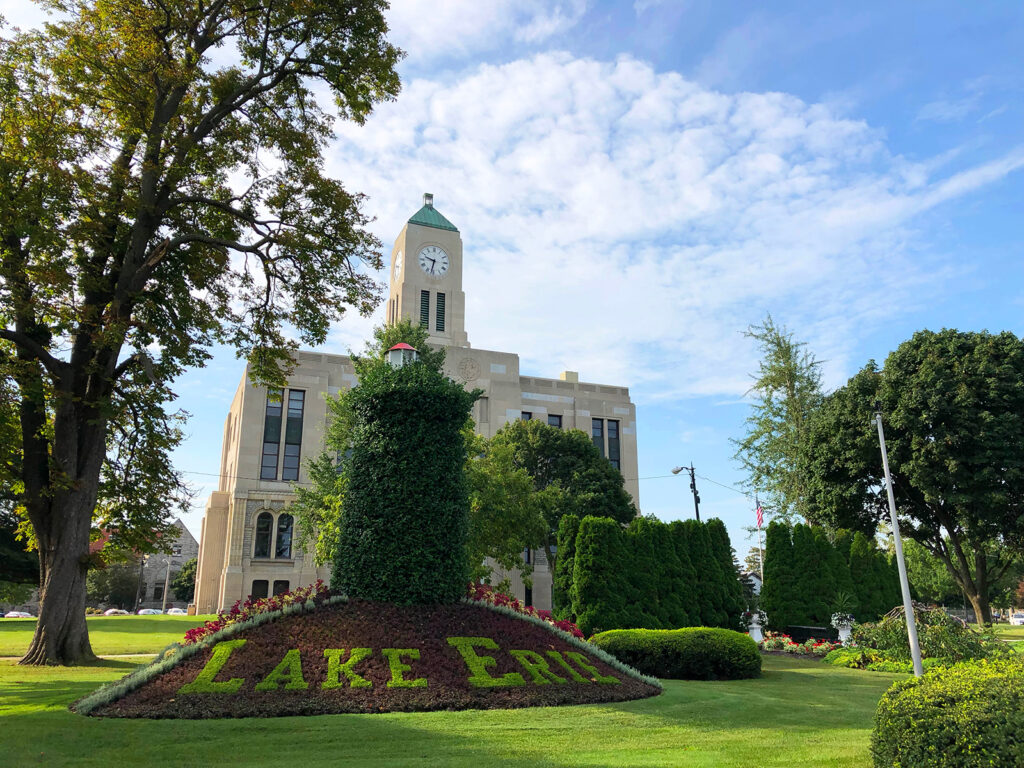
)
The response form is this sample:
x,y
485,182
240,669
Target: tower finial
x,y
428,199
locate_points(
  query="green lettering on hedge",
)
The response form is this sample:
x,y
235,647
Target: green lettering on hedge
x,y
567,667
204,682
398,669
335,669
534,663
289,672
478,664
581,662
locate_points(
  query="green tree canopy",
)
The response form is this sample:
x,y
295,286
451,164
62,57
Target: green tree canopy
x,y
786,390
953,404
162,190
114,585
184,582
567,460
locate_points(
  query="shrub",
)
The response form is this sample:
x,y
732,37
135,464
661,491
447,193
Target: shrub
x,y
970,714
776,641
940,636
694,653
406,512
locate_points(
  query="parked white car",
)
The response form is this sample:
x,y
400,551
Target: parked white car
x,y
115,612
177,612
150,612
1017,618
17,615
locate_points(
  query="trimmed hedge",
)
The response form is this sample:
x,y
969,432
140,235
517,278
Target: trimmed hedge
x,y
693,653
650,575
970,714
406,513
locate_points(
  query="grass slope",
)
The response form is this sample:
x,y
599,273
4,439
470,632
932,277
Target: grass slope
x,y
110,635
801,712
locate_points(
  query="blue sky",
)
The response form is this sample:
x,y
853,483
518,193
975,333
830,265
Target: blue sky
x,y
638,182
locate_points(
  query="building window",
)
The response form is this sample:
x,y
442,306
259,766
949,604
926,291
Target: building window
x,y
284,538
293,434
280,587
483,410
271,435
424,308
264,529
259,589
158,592
613,443
554,420
439,314
597,431
525,415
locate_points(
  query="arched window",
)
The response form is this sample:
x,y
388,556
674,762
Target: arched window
x,y
264,529
284,537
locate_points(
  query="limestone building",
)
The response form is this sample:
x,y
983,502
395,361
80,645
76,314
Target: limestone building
x,y
248,543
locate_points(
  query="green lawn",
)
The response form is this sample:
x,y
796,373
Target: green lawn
x,y
801,712
110,635
1009,633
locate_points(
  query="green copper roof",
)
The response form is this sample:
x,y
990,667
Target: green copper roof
x,y
427,216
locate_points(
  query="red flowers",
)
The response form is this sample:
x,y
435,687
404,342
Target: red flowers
x,y
242,611
485,593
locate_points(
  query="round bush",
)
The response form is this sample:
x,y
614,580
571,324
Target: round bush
x,y
694,653
970,714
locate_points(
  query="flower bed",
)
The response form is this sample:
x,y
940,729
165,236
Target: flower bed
x,y
337,656
778,642
243,611
484,593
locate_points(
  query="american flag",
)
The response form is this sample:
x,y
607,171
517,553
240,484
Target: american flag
x,y
760,515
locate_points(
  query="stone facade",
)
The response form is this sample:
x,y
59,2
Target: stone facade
x,y
160,569
247,518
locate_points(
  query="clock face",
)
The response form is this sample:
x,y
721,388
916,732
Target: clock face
x,y
398,264
434,261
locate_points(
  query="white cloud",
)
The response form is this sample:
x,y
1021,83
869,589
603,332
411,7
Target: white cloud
x,y
630,224
452,29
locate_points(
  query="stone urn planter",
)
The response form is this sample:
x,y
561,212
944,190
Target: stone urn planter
x,y
845,630
754,624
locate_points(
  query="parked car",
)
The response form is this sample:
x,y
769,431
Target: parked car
x,y
17,615
115,612
1017,618
150,612
177,612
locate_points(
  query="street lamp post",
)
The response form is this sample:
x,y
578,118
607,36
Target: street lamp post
x,y
908,605
693,487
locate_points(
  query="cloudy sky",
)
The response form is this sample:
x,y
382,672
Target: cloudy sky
x,y
637,182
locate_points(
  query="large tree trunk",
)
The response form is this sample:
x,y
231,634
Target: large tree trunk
x,y
61,493
61,635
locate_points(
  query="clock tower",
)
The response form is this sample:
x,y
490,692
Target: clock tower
x,y
425,282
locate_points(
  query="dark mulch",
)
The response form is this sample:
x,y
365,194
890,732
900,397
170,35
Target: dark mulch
x,y
376,626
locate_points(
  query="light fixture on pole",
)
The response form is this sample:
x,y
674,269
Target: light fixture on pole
x,y
908,605
693,487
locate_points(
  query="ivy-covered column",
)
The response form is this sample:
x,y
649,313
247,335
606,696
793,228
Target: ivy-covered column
x,y
406,511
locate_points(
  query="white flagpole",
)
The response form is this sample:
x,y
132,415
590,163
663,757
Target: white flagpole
x,y
759,546
908,605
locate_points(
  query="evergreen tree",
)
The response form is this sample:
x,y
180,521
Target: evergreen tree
x,y
643,607
675,581
599,583
686,580
787,388
562,593
779,586
734,602
835,556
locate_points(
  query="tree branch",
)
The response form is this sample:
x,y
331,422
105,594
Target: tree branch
x,y
56,367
